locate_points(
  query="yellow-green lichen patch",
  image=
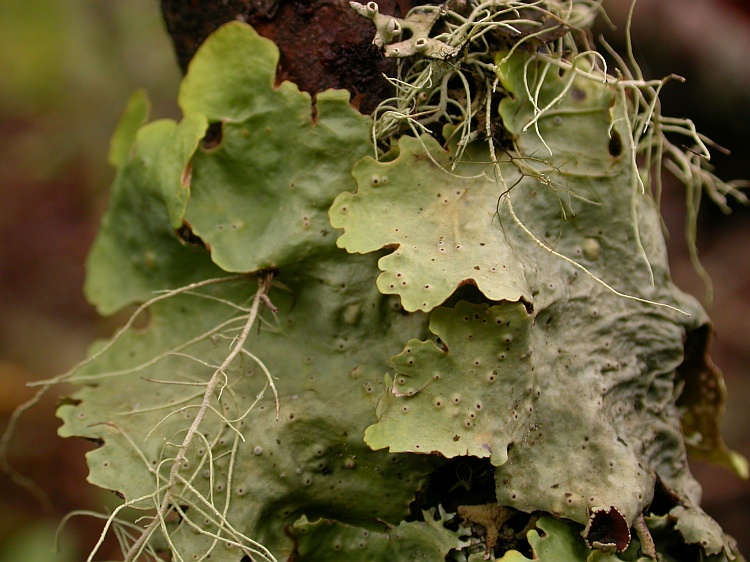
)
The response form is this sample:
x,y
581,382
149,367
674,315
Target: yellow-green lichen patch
x,y
471,395
442,228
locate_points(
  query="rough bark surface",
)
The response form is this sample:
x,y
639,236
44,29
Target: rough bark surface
x,y
323,44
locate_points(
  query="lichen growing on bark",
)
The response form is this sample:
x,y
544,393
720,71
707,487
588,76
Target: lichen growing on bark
x,y
511,316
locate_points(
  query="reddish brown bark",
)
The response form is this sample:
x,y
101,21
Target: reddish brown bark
x,y
323,43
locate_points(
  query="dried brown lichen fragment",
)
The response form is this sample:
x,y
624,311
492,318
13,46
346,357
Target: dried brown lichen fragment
x,y
490,516
702,402
648,548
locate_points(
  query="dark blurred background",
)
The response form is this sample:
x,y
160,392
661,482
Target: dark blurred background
x,y
66,71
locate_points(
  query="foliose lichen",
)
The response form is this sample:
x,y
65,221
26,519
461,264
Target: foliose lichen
x,y
493,285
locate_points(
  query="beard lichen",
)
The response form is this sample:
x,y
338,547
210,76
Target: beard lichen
x,y
451,59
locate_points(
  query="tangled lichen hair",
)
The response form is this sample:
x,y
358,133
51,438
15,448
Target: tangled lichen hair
x,y
447,67
449,56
